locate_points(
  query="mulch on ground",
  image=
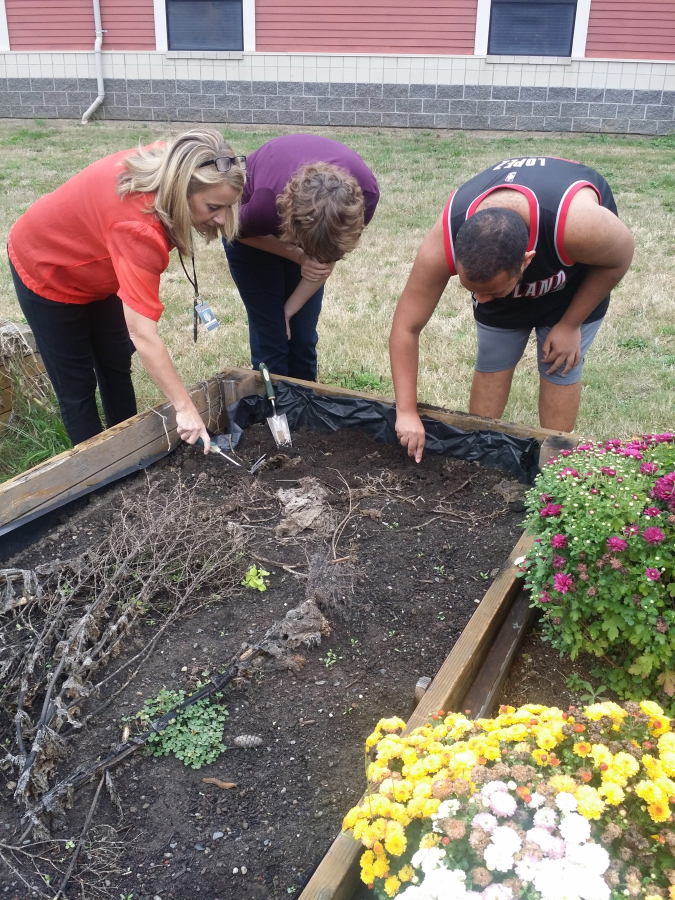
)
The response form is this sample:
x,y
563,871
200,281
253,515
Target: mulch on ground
x,y
416,554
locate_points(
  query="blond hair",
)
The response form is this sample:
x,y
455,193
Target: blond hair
x,y
322,211
171,172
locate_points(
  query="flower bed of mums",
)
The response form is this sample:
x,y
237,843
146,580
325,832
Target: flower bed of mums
x,y
536,803
603,563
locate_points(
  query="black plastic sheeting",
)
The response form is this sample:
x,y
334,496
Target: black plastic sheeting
x,y
307,409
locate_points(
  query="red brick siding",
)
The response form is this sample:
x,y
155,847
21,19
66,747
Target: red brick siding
x,y
631,29
366,26
69,24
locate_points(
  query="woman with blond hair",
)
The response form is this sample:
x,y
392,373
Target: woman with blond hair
x,y
86,262
306,202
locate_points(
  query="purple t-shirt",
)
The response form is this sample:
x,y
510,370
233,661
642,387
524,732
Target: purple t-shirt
x,y
271,167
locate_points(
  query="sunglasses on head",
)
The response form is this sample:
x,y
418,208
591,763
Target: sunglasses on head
x,y
224,163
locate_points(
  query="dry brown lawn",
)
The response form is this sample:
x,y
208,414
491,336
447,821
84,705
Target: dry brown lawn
x,y
629,379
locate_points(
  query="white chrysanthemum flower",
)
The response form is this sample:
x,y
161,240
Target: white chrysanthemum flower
x,y
497,892
485,821
558,849
503,804
595,888
428,859
527,868
493,786
574,829
448,808
536,801
506,839
498,858
511,785
566,803
541,837
545,818
591,857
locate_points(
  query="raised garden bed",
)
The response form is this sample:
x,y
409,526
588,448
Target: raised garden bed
x,y
414,557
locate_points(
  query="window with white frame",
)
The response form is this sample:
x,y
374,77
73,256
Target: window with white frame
x,y
204,25
531,27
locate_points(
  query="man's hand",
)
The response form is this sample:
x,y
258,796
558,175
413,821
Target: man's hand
x,y
562,347
410,432
313,270
190,427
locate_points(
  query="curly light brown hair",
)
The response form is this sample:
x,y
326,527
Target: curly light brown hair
x,y
322,211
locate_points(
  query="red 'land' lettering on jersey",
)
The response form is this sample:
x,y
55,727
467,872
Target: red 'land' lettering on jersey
x,y
539,288
447,236
561,218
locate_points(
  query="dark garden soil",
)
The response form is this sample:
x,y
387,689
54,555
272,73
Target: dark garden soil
x,y
423,545
539,675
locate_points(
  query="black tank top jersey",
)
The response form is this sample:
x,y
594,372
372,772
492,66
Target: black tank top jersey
x,y
551,280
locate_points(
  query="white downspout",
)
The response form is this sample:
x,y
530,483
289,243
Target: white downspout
x,y
99,64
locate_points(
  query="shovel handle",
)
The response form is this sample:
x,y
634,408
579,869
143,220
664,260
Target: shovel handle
x,y
269,389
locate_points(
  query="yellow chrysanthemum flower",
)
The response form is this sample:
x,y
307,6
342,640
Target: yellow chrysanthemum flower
x,y
351,818
626,764
429,840
545,738
372,739
601,755
396,844
391,886
612,793
590,802
367,875
659,811
659,726
563,783
542,757
381,867
651,709
668,761
667,743
671,892
650,792
406,873
582,749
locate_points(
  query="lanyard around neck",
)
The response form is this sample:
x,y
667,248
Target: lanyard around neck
x,y
193,282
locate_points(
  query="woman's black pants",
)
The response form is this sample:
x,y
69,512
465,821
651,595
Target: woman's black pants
x,y
83,344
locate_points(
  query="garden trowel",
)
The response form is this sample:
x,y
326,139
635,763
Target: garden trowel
x,y
278,423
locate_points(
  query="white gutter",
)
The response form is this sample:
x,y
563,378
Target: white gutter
x,y
99,64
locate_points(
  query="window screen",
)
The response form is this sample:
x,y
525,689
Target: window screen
x,y
204,24
532,27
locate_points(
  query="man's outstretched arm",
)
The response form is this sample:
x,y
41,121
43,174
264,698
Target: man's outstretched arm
x,y
427,281
596,237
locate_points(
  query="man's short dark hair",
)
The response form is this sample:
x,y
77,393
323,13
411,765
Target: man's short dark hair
x,y
490,242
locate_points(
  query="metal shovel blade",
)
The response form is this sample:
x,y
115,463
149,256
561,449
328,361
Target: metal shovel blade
x,y
278,423
280,430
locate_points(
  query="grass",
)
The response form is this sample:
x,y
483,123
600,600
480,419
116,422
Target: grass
x,y
629,379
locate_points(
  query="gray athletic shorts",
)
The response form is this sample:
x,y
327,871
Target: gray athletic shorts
x,y
502,348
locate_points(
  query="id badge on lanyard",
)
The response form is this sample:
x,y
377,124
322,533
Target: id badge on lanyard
x,y
201,309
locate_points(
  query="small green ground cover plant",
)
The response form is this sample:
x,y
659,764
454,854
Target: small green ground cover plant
x,y
602,567
255,578
195,736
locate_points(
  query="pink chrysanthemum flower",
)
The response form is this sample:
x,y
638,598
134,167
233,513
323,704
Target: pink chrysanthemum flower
x,y
606,470
566,472
558,542
664,438
664,489
653,535
562,582
631,529
551,509
559,562
544,597
565,452
653,574
649,468
613,444
616,544
652,511
632,452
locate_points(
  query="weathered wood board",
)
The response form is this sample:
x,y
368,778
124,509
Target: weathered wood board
x,y
30,361
115,452
336,876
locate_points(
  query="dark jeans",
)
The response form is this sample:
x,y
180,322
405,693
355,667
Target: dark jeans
x,y
82,344
265,282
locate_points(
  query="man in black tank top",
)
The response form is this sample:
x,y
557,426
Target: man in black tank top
x,y
537,242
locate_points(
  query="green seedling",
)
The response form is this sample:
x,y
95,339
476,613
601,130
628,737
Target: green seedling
x,y
330,658
254,578
587,693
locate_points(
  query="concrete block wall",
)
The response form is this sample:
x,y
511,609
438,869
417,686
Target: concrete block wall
x,y
440,92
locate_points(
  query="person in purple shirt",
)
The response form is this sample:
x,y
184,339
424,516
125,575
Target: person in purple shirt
x,y
305,204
